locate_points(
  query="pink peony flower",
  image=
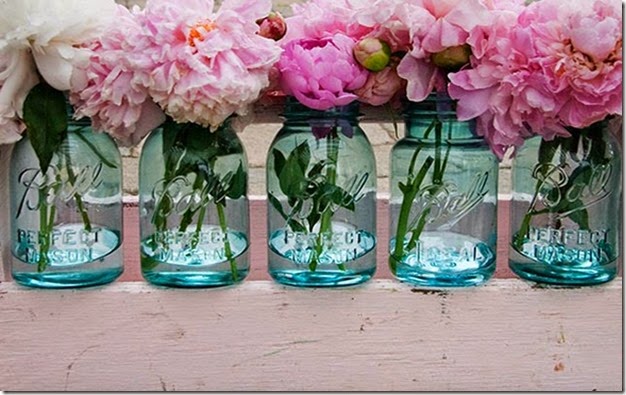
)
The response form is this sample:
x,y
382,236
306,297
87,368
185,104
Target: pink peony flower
x,y
543,71
581,49
501,89
390,21
322,73
204,65
106,89
362,22
436,26
317,19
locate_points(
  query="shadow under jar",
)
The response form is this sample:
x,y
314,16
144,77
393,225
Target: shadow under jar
x,y
443,199
66,221
566,209
194,207
321,185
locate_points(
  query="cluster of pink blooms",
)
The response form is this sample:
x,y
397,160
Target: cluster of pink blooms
x,y
555,65
178,58
412,30
320,65
519,69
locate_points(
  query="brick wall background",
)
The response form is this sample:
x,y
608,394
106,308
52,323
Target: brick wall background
x,y
258,137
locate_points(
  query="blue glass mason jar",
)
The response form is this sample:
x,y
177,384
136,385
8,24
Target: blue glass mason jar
x,y
193,204
66,223
566,207
443,212
321,185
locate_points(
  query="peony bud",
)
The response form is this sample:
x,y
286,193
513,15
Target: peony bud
x,y
272,26
380,87
373,54
453,58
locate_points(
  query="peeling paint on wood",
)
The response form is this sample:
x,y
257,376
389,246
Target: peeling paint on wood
x,y
262,336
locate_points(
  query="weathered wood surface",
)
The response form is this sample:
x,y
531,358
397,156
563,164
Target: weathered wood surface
x,y
503,336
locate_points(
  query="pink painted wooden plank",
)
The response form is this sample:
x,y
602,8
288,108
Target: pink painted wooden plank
x,y
132,265
383,336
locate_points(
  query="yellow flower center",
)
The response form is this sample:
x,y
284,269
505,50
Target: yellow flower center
x,y
200,30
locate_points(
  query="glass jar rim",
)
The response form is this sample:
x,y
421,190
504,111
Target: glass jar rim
x,y
294,109
436,103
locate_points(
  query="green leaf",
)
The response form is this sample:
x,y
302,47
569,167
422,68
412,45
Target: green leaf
x,y
170,131
314,216
218,188
329,193
200,149
187,219
417,181
547,150
570,144
340,196
188,147
279,161
94,149
581,175
45,116
171,153
581,216
419,228
317,169
599,149
277,205
291,179
295,225
238,183
164,207
302,153
148,263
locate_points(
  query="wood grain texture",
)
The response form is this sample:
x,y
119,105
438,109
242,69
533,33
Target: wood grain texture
x,y
261,336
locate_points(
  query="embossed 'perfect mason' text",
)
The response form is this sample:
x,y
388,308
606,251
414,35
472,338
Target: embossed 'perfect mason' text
x,y
67,246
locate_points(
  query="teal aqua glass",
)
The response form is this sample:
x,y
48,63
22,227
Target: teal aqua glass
x,y
566,209
321,185
443,207
194,219
66,224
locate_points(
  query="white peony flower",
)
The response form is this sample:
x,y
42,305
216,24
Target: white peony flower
x,y
10,127
17,77
52,30
43,37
